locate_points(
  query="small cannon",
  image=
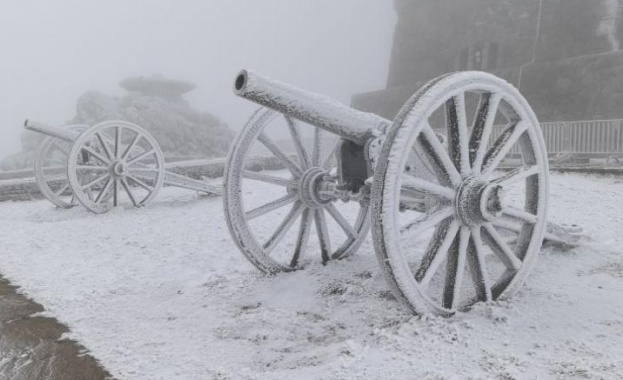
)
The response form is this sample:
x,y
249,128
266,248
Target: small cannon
x,y
457,216
104,166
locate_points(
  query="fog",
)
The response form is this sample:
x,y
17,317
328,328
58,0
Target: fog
x,y
53,51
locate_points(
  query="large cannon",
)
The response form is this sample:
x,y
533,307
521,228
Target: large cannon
x,y
456,219
104,166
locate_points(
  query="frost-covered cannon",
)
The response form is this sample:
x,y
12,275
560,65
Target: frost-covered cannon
x,y
457,216
104,166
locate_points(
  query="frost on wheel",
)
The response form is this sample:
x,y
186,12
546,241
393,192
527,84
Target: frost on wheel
x,y
115,163
281,203
460,192
51,172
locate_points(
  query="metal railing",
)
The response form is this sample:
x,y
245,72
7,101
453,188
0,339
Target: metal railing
x,y
590,138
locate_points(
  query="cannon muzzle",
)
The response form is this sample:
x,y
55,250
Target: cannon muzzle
x,y
48,130
318,110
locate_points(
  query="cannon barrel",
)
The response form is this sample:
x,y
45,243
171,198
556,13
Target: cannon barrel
x,y
48,130
318,110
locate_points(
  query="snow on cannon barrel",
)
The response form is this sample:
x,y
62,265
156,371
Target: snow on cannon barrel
x,y
110,164
455,220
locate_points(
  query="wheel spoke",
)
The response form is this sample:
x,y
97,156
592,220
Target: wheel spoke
x,y
118,132
115,193
295,133
103,192
500,248
303,237
502,283
60,192
267,178
439,156
141,156
524,216
274,205
481,131
96,180
131,146
428,188
104,145
141,184
61,148
437,252
517,175
329,161
456,123
126,186
289,164
478,266
317,153
283,228
502,147
507,225
430,220
95,154
418,151
339,218
455,269
323,235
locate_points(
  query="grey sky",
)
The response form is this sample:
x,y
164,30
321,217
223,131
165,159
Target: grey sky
x,y
51,51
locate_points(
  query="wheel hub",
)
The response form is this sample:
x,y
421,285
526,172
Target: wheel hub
x,y
478,202
310,186
119,169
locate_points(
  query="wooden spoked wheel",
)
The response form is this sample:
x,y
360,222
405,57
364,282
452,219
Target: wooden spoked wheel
x,y
115,163
51,171
478,235
278,216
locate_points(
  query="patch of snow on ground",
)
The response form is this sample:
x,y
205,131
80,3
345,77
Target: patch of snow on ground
x,y
163,293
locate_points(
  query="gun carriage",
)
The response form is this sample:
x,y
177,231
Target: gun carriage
x,y
455,218
110,164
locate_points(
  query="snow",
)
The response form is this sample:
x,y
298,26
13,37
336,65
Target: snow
x,y
163,293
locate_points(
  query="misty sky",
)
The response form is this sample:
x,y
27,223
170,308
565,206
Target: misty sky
x,y
54,50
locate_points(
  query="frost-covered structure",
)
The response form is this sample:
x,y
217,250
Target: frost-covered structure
x,y
156,104
434,208
564,55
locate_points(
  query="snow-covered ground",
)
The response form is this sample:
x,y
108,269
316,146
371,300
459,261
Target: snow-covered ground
x,y
163,293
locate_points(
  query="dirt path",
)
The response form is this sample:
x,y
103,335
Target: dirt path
x,y
30,347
